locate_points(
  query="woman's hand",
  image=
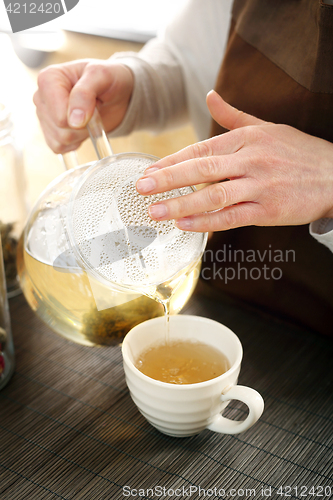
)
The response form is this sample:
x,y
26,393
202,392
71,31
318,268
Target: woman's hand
x,y
274,175
68,93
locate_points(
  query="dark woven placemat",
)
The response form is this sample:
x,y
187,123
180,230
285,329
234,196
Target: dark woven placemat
x,y
69,430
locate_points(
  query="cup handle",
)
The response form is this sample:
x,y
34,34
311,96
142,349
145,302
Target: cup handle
x,y
98,138
254,402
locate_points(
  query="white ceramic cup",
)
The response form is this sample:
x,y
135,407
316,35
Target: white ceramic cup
x,y
185,410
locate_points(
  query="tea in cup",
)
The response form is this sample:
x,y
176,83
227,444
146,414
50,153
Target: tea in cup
x,y
182,379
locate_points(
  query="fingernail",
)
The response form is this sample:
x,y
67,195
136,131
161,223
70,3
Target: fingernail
x,y
157,211
76,118
185,223
145,185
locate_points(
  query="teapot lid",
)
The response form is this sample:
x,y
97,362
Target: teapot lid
x,y
113,237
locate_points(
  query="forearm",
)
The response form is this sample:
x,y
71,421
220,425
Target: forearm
x,y
159,98
174,72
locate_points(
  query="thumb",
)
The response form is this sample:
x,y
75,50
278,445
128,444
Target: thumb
x,y
84,95
227,116
81,106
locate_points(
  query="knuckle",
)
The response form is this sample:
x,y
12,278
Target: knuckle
x,y
68,137
230,217
218,196
60,121
206,224
255,134
82,93
61,147
201,224
167,177
97,69
45,76
36,99
62,140
93,66
202,149
273,211
56,146
178,207
208,168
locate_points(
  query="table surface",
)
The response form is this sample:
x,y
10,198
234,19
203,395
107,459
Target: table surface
x,y
69,429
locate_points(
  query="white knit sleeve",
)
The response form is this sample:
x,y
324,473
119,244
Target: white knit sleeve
x,y
158,100
174,72
322,231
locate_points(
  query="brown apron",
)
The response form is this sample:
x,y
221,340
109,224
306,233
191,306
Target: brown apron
x,y
279,67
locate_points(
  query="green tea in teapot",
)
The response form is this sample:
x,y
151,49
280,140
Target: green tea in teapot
x,y
60,291
64,299
91,262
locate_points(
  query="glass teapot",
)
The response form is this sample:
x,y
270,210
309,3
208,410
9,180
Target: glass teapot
x,y
75,298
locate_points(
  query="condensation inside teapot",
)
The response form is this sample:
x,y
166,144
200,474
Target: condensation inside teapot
x,y
112,235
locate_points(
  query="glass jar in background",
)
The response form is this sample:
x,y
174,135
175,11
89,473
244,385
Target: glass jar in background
x,y
7,358
13,205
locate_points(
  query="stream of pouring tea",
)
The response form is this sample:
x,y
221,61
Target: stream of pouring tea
x,y
165,292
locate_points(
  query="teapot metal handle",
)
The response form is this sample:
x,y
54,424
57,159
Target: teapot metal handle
x,y
98,138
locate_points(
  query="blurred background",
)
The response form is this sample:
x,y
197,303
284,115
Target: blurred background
x,y
93,29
